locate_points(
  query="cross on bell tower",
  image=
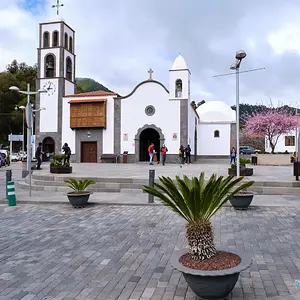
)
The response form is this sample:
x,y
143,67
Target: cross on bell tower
x,y
58,5
150,74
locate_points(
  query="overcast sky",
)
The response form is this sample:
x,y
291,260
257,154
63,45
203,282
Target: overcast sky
x,y
118,41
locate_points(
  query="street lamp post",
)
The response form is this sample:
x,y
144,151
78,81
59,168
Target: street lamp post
x,y
28,111
23,126
240,55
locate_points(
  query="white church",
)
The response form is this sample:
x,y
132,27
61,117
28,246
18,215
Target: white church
x,y
104,124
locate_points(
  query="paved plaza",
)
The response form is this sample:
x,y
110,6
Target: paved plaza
x,y
121,248
122,252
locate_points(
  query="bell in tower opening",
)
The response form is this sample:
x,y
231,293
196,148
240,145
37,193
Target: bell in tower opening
x,y
178,88
69,68
50,66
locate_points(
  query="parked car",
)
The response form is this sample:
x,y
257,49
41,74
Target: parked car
x,y
15,157
248,150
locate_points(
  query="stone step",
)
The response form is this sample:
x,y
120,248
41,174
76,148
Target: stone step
x,y
261,188
65,189
61,178
97,185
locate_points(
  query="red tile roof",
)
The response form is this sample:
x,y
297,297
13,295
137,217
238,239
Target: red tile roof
x,y
93,94
97,100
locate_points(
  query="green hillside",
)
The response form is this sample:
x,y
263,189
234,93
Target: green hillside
x,y
89,85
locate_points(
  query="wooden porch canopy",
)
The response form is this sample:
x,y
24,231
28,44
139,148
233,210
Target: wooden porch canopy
x,y
88,113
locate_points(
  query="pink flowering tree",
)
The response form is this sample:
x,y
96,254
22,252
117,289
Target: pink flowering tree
x,y
270,124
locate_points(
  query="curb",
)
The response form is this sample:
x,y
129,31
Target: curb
x,y
47,202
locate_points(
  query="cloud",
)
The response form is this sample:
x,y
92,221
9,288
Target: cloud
x,y
118,41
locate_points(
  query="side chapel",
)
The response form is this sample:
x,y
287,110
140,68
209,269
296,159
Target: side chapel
x,y
97,123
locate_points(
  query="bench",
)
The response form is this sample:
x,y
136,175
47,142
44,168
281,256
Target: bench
x,y
109,158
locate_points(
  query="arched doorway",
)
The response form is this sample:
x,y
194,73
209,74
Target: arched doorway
x,y
147,137
48,148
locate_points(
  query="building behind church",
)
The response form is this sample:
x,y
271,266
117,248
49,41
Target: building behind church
x,y
97,123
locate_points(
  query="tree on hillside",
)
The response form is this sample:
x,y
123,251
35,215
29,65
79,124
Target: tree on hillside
x,y
270,123
90,85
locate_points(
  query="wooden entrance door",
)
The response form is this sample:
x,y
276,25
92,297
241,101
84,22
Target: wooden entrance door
x,y
89,152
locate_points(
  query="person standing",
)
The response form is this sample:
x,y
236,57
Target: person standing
x,y
151,153
181,155
188,151
38,156
163,152
67,151
233,156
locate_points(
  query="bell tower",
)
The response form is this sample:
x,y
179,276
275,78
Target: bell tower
x,y
56,74
179,90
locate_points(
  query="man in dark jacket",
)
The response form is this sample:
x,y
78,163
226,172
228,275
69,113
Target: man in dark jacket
x,y
188,151
67,151
38,156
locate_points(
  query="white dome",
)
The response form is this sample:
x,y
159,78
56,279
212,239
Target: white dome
x,y
216,111
179,63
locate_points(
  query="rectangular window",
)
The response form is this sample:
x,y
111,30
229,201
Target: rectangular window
x,y
290,141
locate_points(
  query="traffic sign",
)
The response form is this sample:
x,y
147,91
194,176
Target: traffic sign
x,y
15,138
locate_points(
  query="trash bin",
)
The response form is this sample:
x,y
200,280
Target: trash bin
x,y
297,169
125,155
254,160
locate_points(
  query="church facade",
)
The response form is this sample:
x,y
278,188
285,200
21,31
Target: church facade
x,y
98,123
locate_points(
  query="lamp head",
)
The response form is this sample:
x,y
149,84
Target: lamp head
x,y
14,88
233,66
240,55
42,91
22,107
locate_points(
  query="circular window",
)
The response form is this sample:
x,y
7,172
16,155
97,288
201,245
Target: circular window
x,y
150,110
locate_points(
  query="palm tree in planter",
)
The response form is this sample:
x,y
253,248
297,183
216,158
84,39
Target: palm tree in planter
x,y
210,272
79,197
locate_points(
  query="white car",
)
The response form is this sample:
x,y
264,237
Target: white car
x,y
14,157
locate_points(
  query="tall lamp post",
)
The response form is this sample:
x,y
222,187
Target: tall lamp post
x,y
240,55
29,122
23,133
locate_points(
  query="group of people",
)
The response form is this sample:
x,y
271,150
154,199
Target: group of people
x,y
184,154
39,154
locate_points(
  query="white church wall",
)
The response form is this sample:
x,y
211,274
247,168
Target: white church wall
x,y
68,135
166,117
282,144
108,133
207,144
45,52
50,103
191,128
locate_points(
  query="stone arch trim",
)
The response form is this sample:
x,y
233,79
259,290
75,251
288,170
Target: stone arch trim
x,y
137,138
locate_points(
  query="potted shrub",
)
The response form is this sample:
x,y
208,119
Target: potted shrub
x,y
58,166
244,171
242,199
79,197
210,272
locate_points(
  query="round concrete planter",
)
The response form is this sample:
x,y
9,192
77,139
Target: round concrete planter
x,y
212,285
78,200
60,170
241,201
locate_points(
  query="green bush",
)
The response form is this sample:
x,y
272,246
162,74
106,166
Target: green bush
x,y
57,161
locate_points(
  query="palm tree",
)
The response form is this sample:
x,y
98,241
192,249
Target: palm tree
x,y
197,201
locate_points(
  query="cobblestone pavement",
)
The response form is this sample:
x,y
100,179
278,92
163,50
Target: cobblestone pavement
x,y
123,252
